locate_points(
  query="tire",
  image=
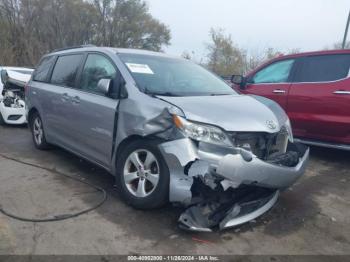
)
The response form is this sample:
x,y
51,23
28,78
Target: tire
x,y
38,134
2,122
138,186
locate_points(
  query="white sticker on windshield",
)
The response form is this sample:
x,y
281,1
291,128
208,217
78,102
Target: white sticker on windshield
x,y
140,68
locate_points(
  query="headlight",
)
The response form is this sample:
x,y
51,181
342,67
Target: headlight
x,y
200,132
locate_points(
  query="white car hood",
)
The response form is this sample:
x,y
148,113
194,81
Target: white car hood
x,y
18,78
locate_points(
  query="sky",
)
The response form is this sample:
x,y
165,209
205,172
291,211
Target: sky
x,y
253,24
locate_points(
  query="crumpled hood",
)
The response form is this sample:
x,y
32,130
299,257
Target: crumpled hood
x,y
17,78
241,113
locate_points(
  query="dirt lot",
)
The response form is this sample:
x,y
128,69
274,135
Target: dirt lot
x,y
310,218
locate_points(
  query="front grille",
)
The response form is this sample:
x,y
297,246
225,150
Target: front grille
x,y
261,144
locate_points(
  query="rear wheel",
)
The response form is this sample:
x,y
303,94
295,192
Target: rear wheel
x,y
142,175
38,134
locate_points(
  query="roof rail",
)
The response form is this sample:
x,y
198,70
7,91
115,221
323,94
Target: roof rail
x,y
72,47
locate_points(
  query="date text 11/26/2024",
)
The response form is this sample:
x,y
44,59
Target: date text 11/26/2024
x,y
173,258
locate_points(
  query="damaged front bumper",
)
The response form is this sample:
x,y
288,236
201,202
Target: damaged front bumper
x,y
13,115
224,188
245,168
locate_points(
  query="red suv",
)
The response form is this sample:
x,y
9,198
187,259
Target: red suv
x,y
313,88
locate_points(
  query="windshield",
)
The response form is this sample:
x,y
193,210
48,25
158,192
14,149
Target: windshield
x,y
173,77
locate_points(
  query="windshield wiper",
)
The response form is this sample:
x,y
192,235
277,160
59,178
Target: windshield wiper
x,y
151,93
220,94
165,94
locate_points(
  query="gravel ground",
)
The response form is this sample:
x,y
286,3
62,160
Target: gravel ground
x,y
310,218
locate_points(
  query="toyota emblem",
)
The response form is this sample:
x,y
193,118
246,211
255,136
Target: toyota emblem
x,y
271,124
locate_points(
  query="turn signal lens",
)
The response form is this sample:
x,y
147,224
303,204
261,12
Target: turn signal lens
x,y
177,121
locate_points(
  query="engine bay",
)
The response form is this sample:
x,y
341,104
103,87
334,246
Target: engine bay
x,y
13,96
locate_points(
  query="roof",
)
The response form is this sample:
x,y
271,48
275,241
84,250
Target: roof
x,y
111,49
323,52
302,54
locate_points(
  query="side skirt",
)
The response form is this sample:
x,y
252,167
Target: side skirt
x,y
323,144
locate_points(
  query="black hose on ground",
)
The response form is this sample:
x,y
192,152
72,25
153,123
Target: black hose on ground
x,y
61,216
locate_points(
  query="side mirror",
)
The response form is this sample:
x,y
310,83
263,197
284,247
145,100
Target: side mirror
x,y
239,80
104,85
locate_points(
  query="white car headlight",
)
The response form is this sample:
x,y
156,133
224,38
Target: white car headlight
x,y
201,132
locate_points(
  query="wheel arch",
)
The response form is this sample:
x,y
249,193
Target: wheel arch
x,y
129,140
160,195
31,112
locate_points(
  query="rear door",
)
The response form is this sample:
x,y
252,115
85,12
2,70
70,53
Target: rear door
x,y
272,81
43,96
319,100
57,102
93,115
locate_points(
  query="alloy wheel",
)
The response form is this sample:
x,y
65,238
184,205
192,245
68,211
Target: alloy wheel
x,y
141,173
38,131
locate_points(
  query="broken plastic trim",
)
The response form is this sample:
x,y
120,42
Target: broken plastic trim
x,y
240,219
202,217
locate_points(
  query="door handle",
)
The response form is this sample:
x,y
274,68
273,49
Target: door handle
x,y
76,99
341,92
279,91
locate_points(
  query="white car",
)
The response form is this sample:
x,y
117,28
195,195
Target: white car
x,y
12,105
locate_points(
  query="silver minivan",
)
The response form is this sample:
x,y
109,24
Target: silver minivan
x,y
168,130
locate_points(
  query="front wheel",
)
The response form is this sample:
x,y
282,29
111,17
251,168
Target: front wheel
x,y
142,175
38,134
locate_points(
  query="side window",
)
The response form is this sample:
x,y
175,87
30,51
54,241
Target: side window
x,y
323,68
96,68
277,72
66,69
41,72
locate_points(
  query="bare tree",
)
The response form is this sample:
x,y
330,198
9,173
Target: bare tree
x,y
224,58
128,23
31,28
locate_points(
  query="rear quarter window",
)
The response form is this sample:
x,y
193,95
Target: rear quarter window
x,y
41,72
66,69
323,68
